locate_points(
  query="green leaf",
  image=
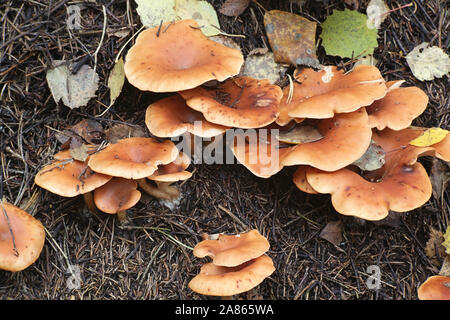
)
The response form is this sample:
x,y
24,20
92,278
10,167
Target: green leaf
x,y
115,81
345,34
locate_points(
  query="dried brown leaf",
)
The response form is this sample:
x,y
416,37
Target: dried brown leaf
x,y
332,232
234,8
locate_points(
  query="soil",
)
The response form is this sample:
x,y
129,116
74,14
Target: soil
x,y
151,257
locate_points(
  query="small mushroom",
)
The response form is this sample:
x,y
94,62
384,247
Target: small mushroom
x,y
116,196
233,250
222,281
435,288
22,238
241,102
178,56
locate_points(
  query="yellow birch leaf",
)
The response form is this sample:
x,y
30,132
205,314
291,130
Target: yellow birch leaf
x,y
429,137
116,80
446,242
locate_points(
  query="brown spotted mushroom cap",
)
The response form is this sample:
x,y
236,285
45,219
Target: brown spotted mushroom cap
x,y
241,102
233,250
133,158
398,108
435,288
322,94
227,281
401,185
68,177
346,138
118,194
174,171
178,56
171,117
29,238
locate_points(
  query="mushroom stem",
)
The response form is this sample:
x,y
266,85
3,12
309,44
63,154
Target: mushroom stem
x,y
122,216
162,191
89,201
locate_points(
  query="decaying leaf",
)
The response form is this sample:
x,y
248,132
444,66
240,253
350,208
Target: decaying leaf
x,y
115,81
368,60
122,131
234,8
153,12
429,137
345,34
445,269
377,11
263,66
79,151
86,131
226,41
439,177
446,242
434,249
372,159
75,90
200,11
332,232
428,63
291,37
301,133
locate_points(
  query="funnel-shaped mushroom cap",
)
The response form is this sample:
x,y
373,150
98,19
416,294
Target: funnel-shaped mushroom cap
x,y
68,177
321,94
262,156
402,184
233,250
345,139
29,238
398,108
301,181
171,117
117,195
222,281
241,102
174,171
435,288
177,56
133,158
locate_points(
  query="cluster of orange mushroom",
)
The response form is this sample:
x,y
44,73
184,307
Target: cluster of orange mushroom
x,y
239,263
109,178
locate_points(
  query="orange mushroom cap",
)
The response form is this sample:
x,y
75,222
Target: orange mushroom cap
x,y
241,102
133,158
322,94
29,238
171,117
68,177
398,108
345,139
174,171
403,184
233,250
301,181
178,56
435,288
118,194
226,281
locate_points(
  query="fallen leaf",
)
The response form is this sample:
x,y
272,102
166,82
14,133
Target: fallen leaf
x,y
301,133
291,37
446,242
116,80
200,11
79,151
392,220
122,131
377,11
368,60
372,159
263,66
226,41
428,63
86,131
345,34
445,269
434,249
439,177
153,12
75,90
234,8
332,232
429,137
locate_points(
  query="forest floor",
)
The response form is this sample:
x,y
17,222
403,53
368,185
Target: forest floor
x,y
150,258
